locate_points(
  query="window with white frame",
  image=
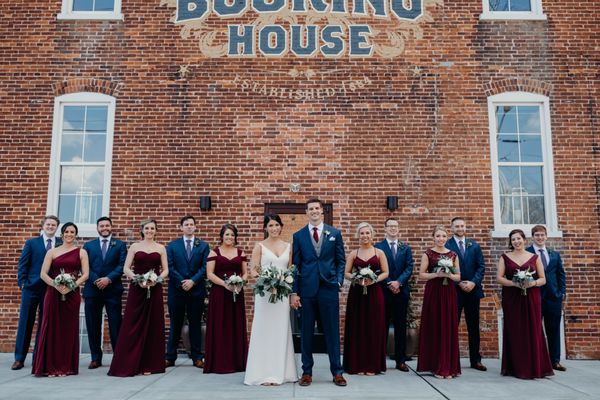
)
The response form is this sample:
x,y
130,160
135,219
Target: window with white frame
x,y
91,9
512,9
81,159
522,167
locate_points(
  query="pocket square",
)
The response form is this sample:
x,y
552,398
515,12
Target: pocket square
x,y
332,239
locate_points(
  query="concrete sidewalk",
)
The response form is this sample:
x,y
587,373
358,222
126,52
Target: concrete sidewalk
x,y
580,381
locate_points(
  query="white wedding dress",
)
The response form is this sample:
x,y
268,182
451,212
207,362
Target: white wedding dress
x,y
271,352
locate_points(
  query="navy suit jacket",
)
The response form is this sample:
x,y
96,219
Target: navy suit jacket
x,y
311,269
30,264
181,268
111,267
472,266
401,268
555,287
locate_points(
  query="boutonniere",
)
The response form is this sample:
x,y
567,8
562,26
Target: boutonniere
x,y
112,243
326,232
196,242
469,244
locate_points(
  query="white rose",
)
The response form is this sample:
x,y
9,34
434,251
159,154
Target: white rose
x,y
289,279
365,271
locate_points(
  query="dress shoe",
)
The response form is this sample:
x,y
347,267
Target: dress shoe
x,y
305,380
339,380
555,366
94,365
479,367
199,364
17,365
402,367
169,363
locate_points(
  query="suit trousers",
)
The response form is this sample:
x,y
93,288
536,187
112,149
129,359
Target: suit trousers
x,y
396,306
326,303
31,302
469,302
181,303
551,313
94,320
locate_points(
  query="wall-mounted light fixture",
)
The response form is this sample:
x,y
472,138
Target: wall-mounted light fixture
x,y
205,203
391,203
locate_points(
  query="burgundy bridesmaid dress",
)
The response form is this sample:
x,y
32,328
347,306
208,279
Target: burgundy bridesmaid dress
x,y
57,351
365,330
226,338
438,336
524,351
140,347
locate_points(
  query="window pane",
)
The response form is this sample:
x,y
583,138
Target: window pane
x,y
529,119
95,148
105,5
531,148
506,215
509,180
96,119
83,5
537,213
520,5
71,147
66,207
81,193
498,5
506,119
531,179
73,118
94,179
70,179
508,148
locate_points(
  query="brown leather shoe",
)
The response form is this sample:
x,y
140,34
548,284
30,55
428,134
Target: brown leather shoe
x,y
17,365
94,365
339,380
169,363
402,367
559,367
305,380
479,367
199,364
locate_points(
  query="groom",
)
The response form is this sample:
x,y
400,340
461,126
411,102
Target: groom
x,y
319,256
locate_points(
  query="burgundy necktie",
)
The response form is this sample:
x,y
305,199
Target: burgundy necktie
x,y
316,234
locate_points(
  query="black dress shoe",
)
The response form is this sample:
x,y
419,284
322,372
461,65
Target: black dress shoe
x,y
94,365
558,367
479,367
402,367
17,365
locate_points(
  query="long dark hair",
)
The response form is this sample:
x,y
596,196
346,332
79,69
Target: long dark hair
x,y
232,228
271,217
520,232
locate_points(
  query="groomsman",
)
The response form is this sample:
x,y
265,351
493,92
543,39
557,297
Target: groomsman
x,y
553,292
32,287
396,290
469,290
187,269
104,289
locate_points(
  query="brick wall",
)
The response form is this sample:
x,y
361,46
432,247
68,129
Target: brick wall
x,y
415,126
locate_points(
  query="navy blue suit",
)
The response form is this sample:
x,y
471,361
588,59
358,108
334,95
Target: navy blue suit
x,y
191,302
396,305
318,280
110,267
553,293
472,268
33,289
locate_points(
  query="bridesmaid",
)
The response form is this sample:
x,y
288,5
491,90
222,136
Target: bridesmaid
x,y
438,337
57,351
226,338
524,351
365,332
141,344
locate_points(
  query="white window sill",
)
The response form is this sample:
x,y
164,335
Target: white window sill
x,y
503,233
91,16
514,15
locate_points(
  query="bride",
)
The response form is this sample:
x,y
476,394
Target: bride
x,y
271,352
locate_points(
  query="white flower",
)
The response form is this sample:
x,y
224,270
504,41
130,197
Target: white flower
x,y
289,279
445,262
365,271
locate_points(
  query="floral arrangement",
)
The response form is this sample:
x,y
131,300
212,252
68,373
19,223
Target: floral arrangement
x,y
445,265
274,281
521,278
66,280
147,278
237,282
361,275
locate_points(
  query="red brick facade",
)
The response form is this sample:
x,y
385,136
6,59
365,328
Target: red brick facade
x,y
349,130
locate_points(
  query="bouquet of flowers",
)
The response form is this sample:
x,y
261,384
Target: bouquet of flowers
x,y
237,282
362,274
275,281
445,265
521,278
65,279
145,279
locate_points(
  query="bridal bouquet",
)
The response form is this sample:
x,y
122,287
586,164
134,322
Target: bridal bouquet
x,y
147,278
445,265
65,279
362,274
237,282
521,278
275,281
